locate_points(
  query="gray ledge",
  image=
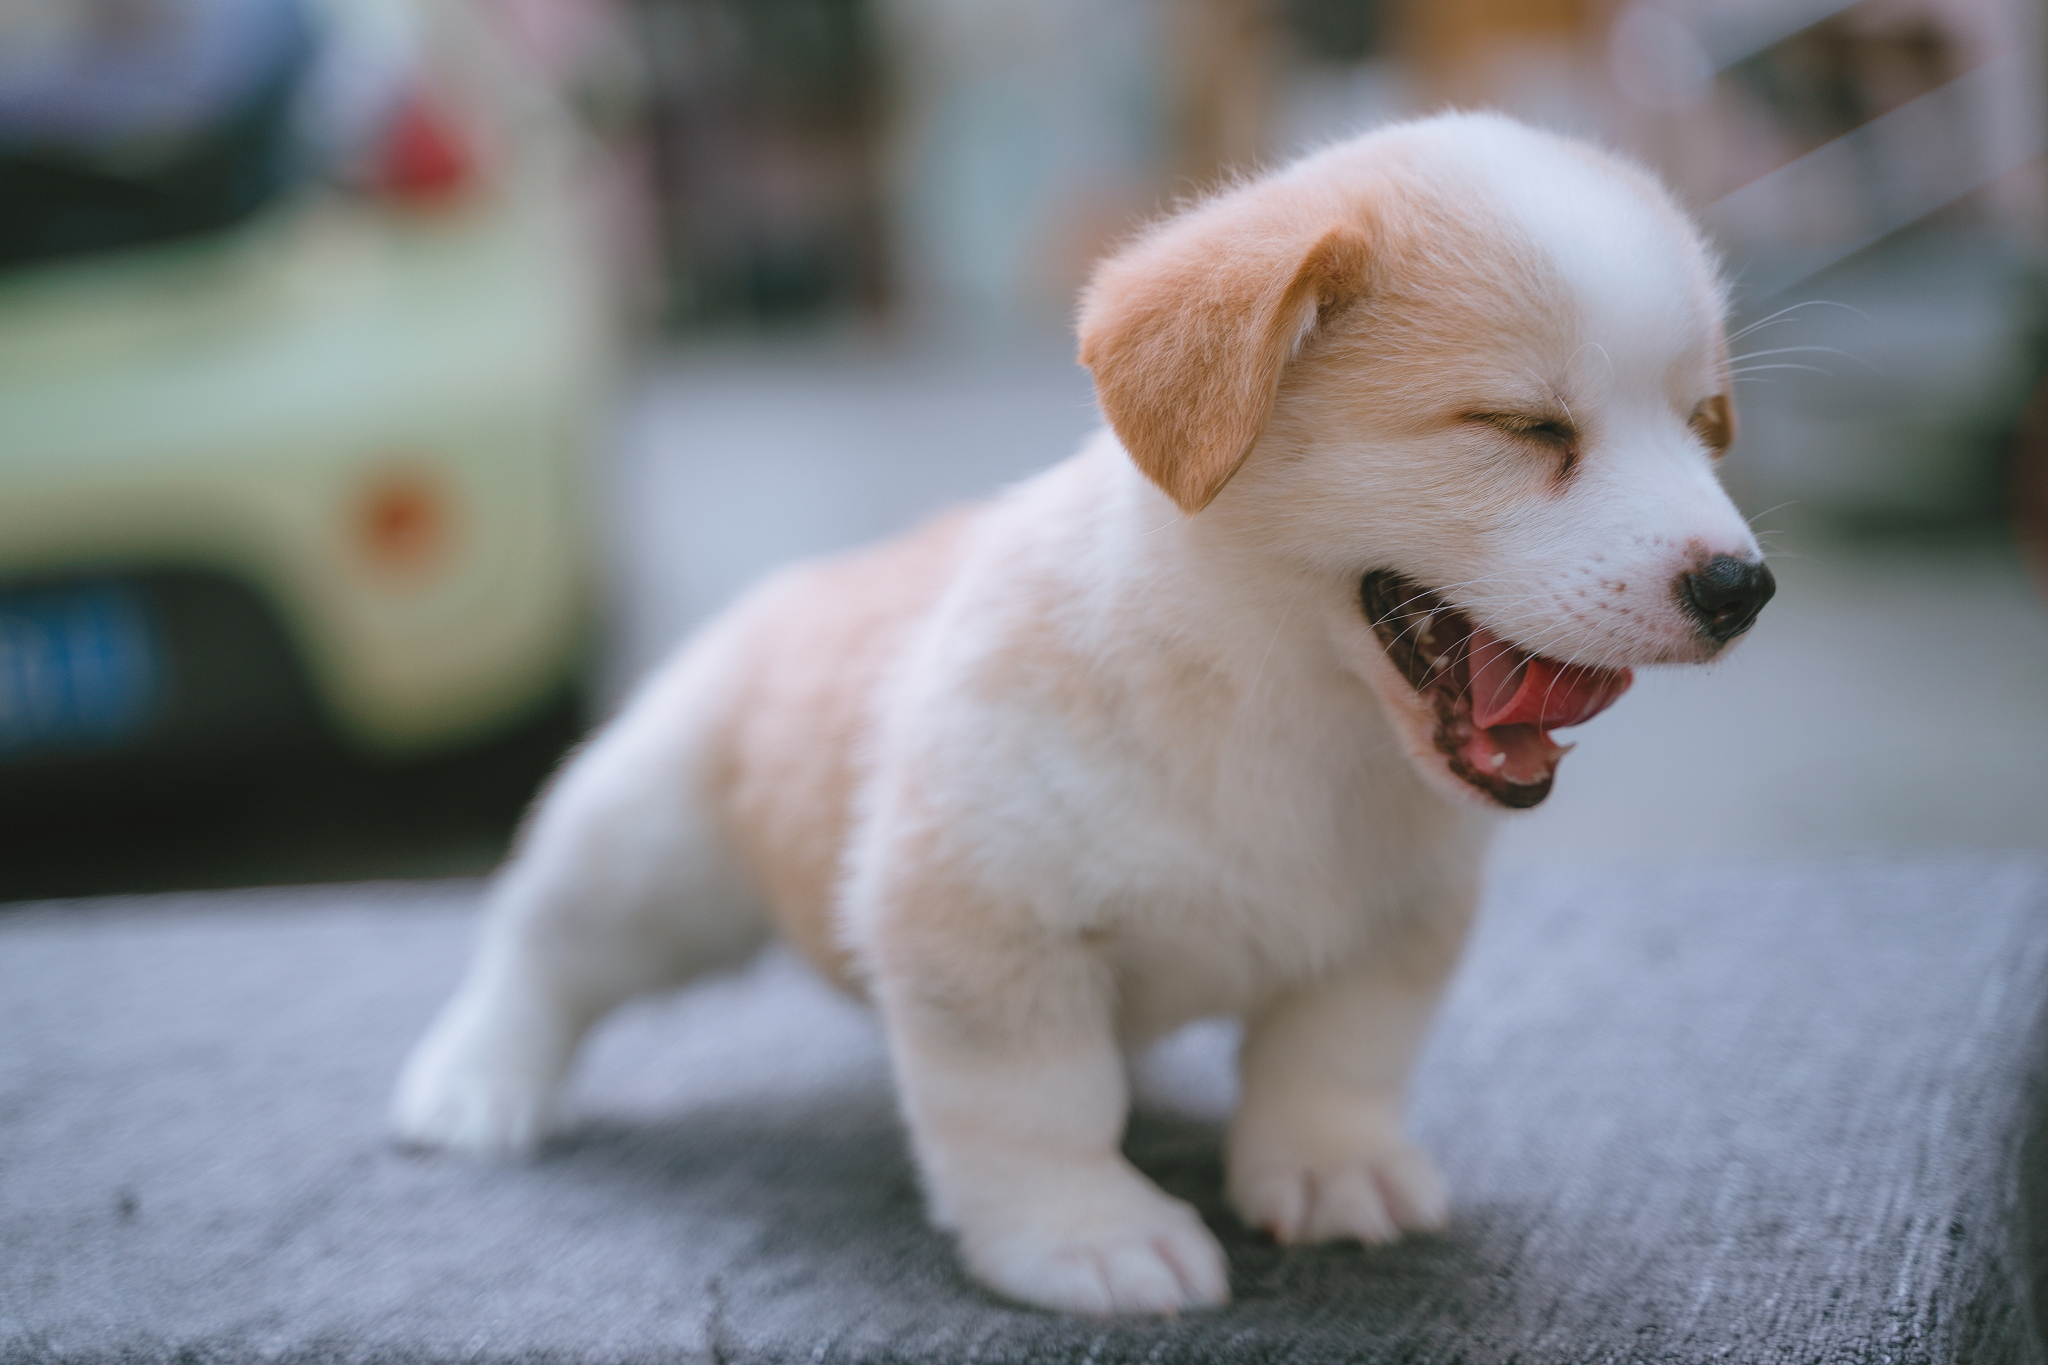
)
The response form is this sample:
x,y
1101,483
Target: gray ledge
x,y
1758,1114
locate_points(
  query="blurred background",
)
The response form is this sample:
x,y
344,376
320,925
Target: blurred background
x,y
386,384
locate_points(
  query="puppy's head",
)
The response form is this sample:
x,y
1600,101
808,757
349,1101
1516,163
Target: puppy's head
x,y
1477,374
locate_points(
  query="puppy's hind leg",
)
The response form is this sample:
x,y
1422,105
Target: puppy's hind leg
x,y
622,886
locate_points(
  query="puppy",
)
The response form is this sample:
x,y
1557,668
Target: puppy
x,y
1410,458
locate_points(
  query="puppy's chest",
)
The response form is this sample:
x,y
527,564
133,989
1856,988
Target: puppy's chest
x,y
1258,861
1241,915
1218,823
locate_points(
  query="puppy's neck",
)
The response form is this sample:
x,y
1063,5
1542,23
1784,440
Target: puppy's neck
x,y
1216,575
1209,588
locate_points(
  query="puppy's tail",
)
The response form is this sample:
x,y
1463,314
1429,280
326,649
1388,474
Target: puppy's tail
x,y
625,866
622,884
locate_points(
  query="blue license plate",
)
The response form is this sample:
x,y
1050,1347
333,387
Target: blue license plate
x,y
81,667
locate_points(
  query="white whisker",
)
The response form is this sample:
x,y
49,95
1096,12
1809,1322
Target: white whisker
x,y
1752,369
1789,502
1783,313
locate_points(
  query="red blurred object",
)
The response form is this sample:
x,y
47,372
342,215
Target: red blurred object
x,y
403,522
423,158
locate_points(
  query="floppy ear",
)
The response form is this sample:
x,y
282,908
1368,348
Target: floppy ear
x,y
1187,331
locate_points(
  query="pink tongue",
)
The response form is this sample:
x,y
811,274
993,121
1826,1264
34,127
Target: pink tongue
x,y
1512,687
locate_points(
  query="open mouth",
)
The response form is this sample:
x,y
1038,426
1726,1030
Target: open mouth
x,y
1495,703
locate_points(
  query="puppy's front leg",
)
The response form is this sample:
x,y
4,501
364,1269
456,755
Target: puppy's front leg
x,y
1316,1151
1014,1088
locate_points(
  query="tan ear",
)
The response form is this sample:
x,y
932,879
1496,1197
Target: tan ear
x,y
1188,329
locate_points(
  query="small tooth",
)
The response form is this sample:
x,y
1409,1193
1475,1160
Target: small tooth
x,y
1438,662
1499,760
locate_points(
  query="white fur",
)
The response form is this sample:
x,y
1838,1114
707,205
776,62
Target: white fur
x,y
1139,767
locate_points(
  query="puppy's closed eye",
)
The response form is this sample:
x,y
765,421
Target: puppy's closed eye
x,y
1544,431
1713,421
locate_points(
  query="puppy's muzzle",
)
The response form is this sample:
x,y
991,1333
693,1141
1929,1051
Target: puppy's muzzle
x,y
1725,594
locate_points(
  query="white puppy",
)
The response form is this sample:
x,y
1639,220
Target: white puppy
x,y
1410,458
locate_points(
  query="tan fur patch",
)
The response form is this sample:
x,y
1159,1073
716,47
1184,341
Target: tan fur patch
x,y
821,644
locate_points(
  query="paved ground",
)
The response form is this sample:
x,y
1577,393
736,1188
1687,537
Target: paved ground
x,y
731,462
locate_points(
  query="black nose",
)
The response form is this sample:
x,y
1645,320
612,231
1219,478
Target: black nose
x,y
1725,594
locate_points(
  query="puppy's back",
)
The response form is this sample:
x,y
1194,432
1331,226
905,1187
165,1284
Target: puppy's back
x,y
814,645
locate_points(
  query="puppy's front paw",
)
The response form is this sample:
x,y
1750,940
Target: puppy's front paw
x,y
1318,1186
471,1088
1127,1250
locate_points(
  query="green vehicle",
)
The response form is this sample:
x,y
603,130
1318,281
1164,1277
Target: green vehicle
x,y
297,374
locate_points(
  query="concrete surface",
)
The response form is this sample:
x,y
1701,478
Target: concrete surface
x,y
1775,1114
